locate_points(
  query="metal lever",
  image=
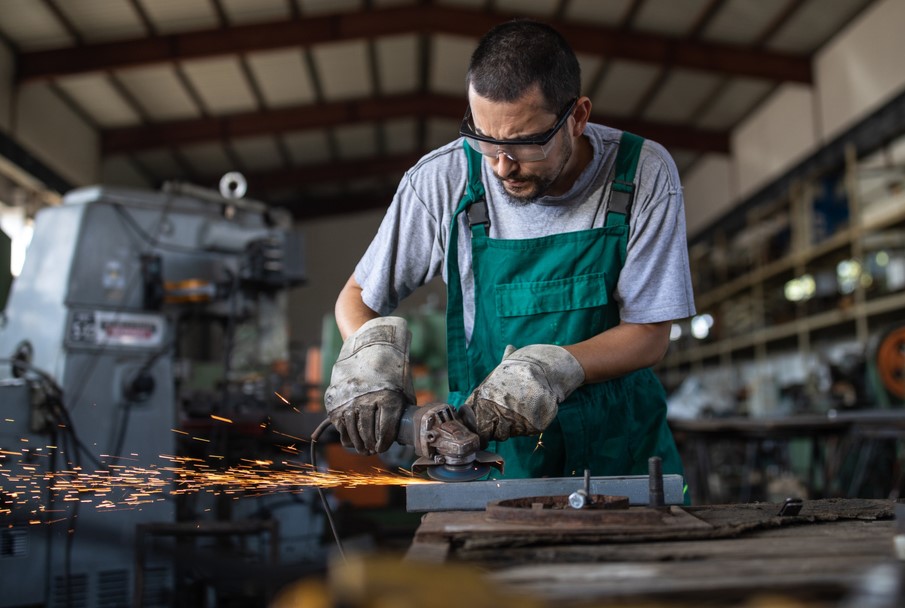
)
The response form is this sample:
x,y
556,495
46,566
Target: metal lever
x,y
655,484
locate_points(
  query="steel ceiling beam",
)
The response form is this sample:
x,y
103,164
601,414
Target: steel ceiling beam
x,y
326,115
333,171
303,208
430,19
297,118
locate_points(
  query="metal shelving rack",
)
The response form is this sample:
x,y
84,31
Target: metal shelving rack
x,y
854,317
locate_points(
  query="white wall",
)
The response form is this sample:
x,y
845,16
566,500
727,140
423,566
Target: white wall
x,y
333,246
862,67
7,69
38,120
779,134
708,191
854,74
57,136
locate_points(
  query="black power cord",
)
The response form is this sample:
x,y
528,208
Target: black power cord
x,y
320,491
56,408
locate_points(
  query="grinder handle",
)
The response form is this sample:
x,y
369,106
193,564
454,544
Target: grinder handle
x,y
407,431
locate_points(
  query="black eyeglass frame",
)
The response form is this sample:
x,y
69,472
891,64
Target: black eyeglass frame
x,y
539,140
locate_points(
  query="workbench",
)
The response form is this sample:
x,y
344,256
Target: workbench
x,y
844,448
825,555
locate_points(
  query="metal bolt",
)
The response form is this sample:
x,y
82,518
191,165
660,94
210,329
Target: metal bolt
x,y
578,499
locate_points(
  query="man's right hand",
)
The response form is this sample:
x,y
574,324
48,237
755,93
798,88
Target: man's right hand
x,y
371,385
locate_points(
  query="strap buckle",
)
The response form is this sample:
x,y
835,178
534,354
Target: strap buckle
x,y
622,195
477,213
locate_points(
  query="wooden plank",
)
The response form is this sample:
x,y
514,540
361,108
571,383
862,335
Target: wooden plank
x,y
476,524
721,521
825,552
843,539
832,575
428,552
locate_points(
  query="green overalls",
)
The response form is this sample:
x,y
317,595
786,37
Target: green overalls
x,y
557,289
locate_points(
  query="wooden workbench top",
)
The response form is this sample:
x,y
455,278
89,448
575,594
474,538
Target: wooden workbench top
x,y
734,553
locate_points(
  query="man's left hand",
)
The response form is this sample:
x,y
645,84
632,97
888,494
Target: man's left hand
x,y
522,395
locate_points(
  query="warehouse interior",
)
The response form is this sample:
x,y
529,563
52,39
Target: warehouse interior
x,y
187,185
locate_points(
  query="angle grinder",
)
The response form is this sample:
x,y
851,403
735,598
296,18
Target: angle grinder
x,y
447,450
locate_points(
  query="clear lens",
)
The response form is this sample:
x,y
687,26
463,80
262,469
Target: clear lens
x,y
524,151
520,153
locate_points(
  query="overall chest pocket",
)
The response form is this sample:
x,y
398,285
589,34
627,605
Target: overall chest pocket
x,y
560,311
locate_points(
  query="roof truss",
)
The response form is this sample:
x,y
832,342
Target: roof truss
x,y
428,19
325,115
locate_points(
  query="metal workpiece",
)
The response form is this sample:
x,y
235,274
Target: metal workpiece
x,y
475,495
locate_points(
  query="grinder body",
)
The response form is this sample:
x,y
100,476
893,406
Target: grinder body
x,y
447,450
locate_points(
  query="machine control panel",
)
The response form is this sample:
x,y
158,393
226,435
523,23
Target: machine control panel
x,y
111,328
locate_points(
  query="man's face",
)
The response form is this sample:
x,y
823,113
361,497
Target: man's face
x,y
523,181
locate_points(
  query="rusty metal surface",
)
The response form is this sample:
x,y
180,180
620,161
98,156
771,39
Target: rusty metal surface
x,y
468,530
555,510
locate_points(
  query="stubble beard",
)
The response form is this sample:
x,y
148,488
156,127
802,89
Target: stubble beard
x,y
539,184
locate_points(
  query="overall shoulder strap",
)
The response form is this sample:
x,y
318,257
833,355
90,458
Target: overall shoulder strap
x,y
622,190
474,204
478,217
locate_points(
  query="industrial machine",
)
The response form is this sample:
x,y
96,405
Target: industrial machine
x,y
141,322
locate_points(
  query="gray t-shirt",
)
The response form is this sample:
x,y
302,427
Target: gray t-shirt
x,y
410,247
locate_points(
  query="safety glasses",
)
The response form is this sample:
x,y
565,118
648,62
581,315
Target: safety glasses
x,y
517,150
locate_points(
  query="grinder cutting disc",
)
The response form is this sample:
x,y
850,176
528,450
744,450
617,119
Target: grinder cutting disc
x,y
455,473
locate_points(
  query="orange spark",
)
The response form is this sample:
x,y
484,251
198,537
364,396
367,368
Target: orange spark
x,y
128,487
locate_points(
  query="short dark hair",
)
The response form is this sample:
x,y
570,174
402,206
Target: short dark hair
x,y
515,56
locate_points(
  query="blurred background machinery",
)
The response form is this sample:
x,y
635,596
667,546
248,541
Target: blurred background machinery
x,y
147,326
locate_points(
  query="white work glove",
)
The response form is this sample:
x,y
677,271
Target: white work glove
x,y
371,384
522,394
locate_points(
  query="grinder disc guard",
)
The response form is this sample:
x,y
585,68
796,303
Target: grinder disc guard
x,y
476,469
447,449
455,473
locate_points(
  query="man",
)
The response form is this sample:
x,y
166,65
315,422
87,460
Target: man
x,y
563,247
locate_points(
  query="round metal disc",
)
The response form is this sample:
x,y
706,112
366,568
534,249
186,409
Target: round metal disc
x,y
469,472
891,361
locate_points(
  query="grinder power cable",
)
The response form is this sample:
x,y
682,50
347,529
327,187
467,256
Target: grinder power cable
x,y
447,450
